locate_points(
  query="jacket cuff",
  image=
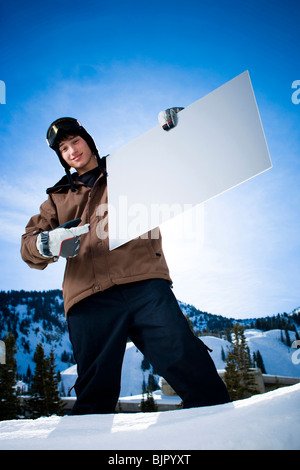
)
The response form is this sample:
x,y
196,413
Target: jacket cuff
x,y
42,244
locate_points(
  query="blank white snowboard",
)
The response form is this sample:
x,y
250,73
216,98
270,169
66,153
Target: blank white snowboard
x,y
217,144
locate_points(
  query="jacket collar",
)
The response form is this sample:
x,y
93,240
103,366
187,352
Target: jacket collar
x,y
64,185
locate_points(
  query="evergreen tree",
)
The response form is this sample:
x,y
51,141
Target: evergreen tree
x,y
145,365
296,332
231,378
8,398
28,375
44,399
227,333
149,404
259,361
223,357
55,405
37,405
238,377
152,383
144,388
287,338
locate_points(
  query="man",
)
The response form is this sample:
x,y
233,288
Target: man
x,y
112,295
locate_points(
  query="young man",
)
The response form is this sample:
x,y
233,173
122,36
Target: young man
x,y
112,295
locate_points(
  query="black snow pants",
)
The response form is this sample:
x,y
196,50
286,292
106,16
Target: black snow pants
x,y
148,313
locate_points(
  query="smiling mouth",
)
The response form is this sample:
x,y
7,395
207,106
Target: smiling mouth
x,y
75,159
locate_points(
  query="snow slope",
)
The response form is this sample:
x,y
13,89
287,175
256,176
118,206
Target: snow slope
x,y
270,421
277,357
132,374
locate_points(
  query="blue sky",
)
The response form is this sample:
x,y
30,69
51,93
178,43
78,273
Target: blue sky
x,y
114,65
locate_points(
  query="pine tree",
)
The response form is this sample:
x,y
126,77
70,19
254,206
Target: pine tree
x,y
44,399
8,398
296,333
238,377
152,383
145,364
287,338
232,379
223,356
37,405
55,405
259,361
148,404
144,388
28,374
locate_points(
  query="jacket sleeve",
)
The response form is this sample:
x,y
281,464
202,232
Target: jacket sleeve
x,y
45,220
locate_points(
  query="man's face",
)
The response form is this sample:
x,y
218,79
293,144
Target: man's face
x,y
76,152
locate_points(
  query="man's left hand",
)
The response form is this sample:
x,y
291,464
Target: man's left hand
x,y
168,118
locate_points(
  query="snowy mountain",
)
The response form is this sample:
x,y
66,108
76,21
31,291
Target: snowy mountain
x,y
33,318
38,317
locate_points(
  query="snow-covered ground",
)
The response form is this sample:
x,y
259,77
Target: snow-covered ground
x,y
269,421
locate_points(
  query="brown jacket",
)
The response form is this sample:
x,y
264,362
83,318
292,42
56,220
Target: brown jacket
x,y
95,268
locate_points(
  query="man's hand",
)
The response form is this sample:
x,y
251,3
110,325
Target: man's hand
x,y
62,241
168,118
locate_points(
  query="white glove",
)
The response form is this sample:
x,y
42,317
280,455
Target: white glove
x,y
62,241
168,118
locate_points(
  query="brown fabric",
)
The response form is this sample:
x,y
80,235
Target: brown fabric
x,y
95,268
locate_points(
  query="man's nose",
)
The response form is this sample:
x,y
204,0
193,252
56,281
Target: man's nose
x,y
73,150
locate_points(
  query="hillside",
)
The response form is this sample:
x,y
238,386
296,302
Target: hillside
x,y
33,318
38,317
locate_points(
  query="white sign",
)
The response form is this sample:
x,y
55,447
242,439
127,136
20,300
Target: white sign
x,y
217,144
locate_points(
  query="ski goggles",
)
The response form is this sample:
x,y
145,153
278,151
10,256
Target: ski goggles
x,y
65,124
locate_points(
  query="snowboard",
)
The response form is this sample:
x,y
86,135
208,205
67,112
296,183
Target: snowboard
x,y
217,144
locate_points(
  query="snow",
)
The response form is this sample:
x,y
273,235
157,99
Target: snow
x,y
277,357
132,374
266,421
216,344
269,421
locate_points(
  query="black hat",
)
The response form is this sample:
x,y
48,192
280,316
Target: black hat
x,y
68,126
